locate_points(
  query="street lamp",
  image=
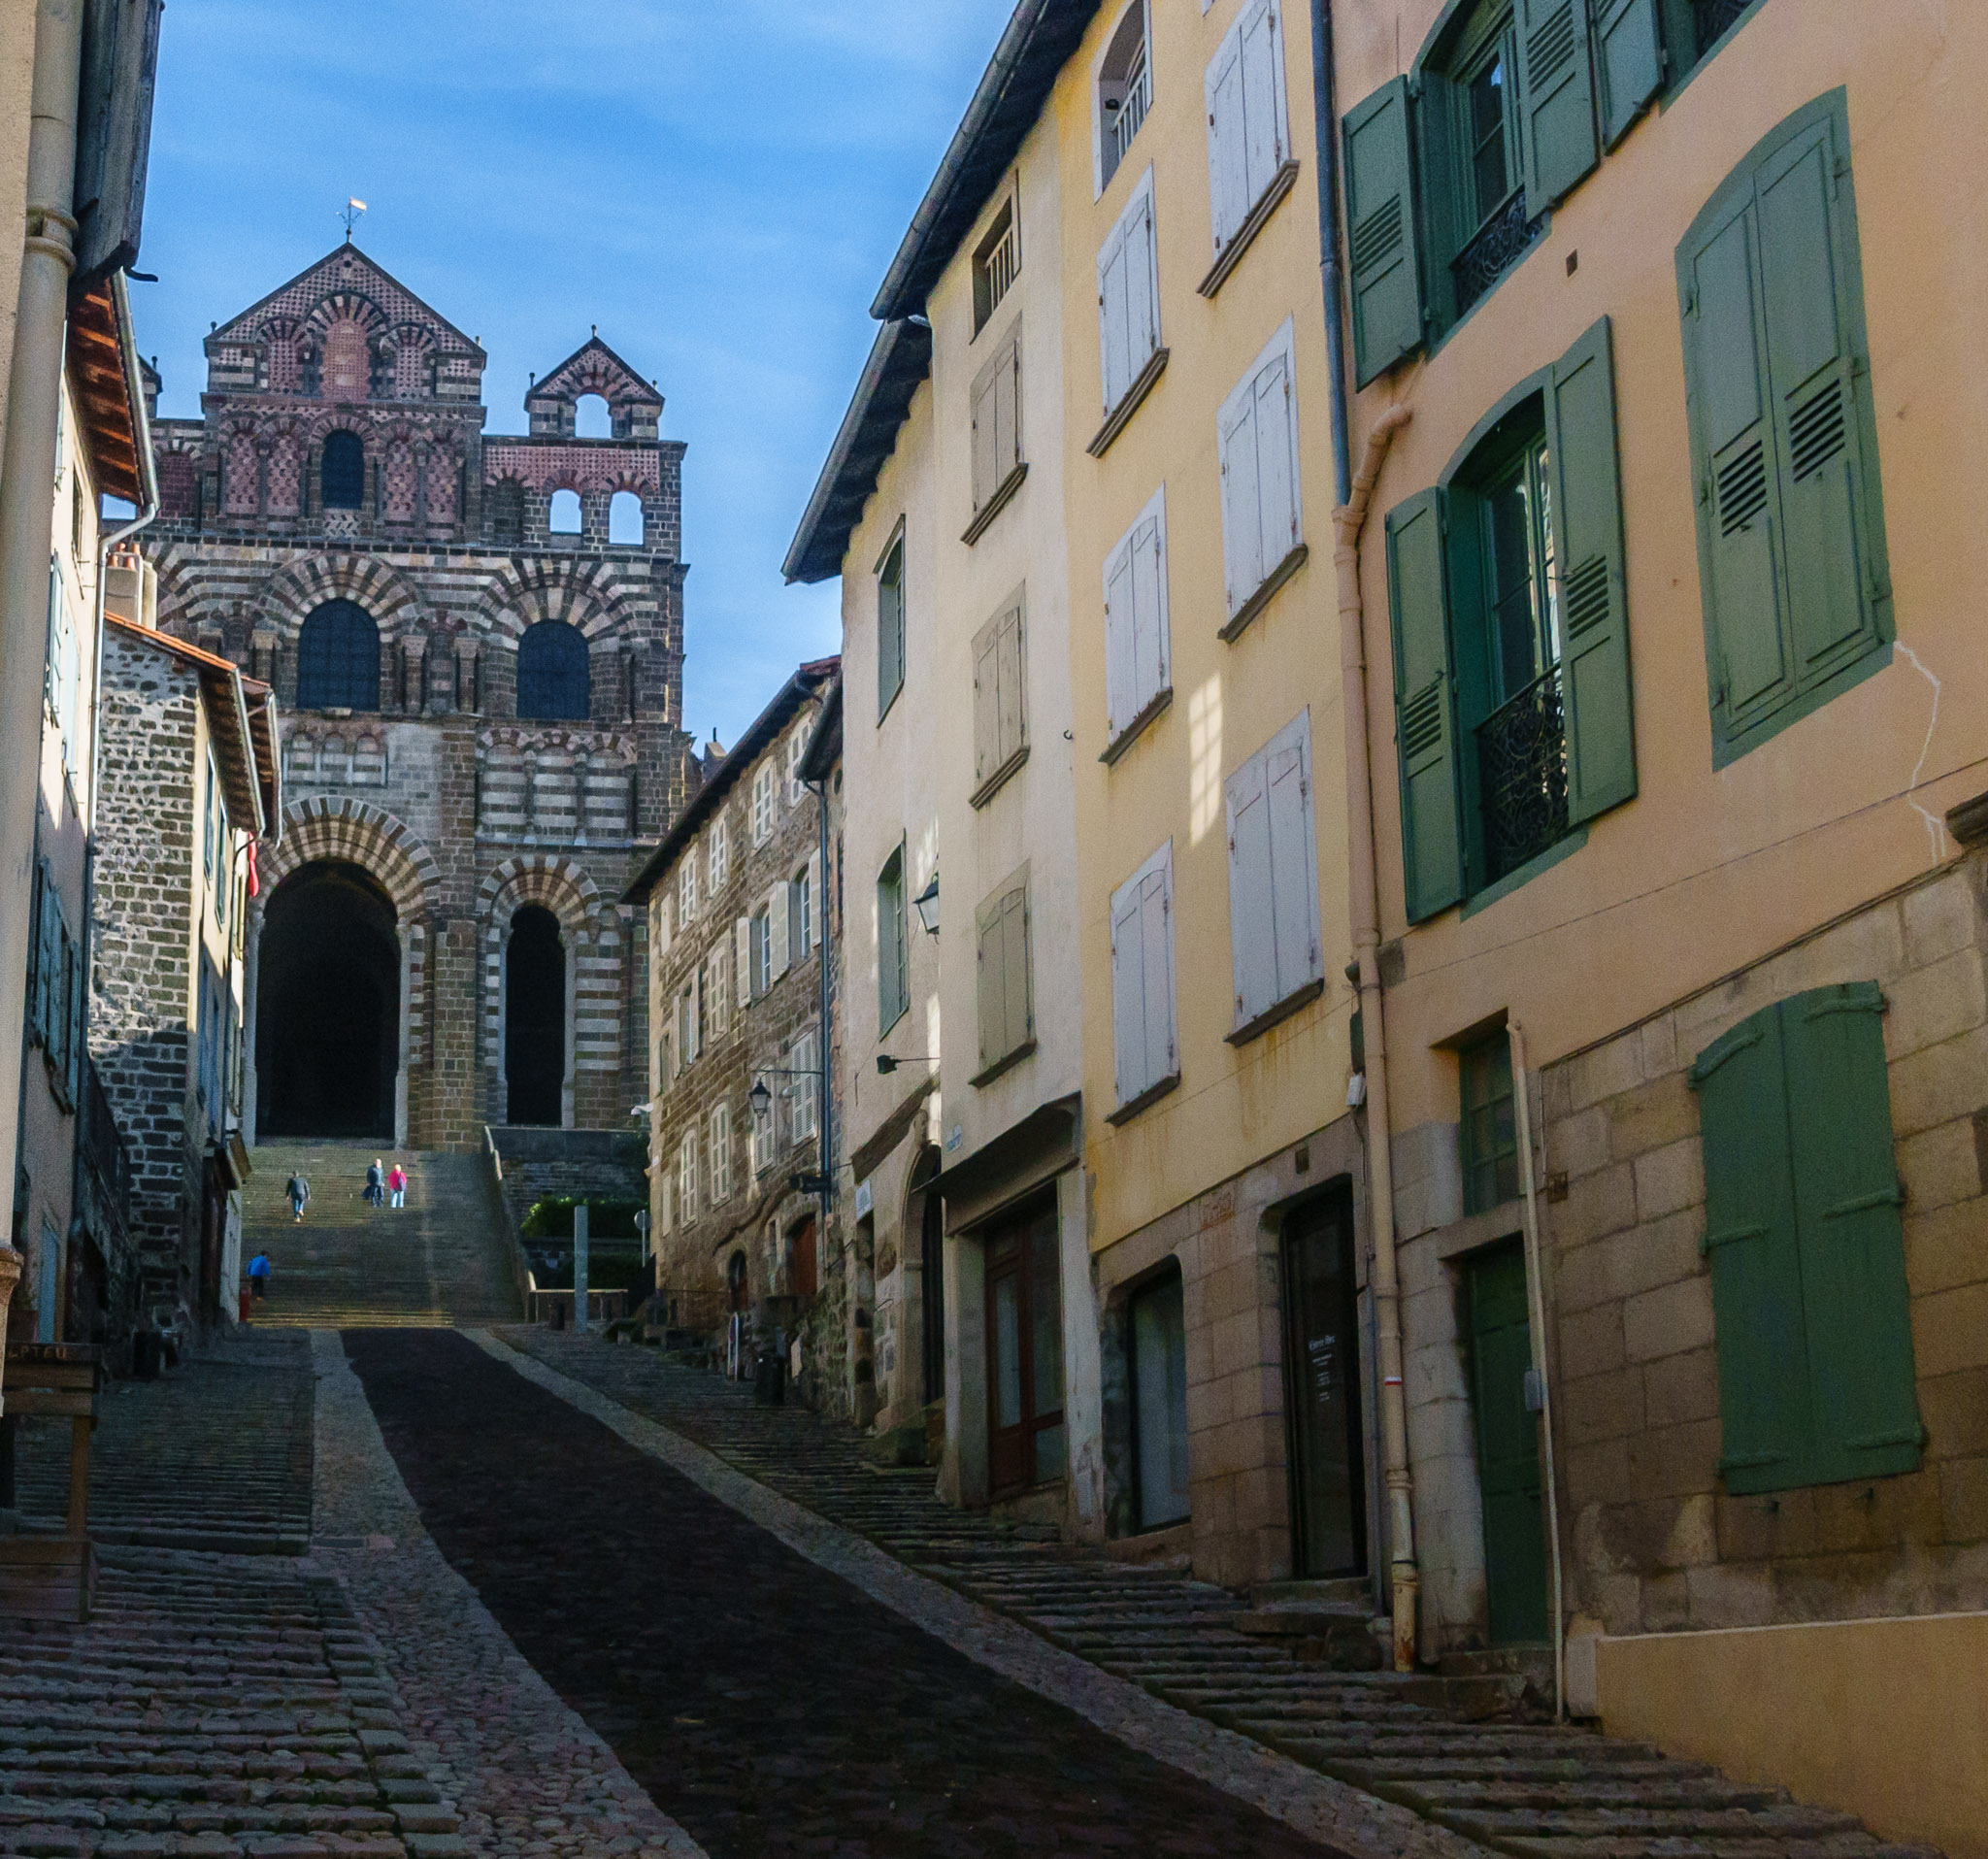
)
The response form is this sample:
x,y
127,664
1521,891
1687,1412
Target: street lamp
x,y
762,1098
927,902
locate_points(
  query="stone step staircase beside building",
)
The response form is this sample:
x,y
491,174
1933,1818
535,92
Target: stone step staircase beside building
x,y
442,1260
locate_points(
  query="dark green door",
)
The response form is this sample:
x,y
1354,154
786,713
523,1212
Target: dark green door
x,y
1322,1345
1501,1351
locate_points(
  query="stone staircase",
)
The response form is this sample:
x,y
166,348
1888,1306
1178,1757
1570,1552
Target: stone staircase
x,y
1465,1750
439,1262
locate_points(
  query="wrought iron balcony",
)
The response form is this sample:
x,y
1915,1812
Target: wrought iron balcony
x,y
1714,16
1522,776
1498,245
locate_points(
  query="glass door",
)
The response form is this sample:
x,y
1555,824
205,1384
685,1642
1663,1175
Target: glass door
x,y
1322,1335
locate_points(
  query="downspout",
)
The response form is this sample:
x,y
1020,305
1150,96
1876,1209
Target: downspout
x,y
1325,124
824,1105
1535,1316
27,497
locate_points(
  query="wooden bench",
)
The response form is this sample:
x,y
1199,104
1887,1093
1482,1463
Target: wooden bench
x,y
52,1577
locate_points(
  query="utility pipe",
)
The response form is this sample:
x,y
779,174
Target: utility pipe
x,y
1325,135
27,497
1364,907
1536,1315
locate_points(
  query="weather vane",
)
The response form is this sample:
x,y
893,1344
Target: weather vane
x,y
350,214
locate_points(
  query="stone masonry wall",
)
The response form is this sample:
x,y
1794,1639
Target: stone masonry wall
x,y
1654,1542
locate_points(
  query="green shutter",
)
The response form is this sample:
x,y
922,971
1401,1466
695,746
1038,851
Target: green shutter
x,y
1594,612
1556,99
1628,61
1750,1236
1425,705
1384,259
1853,1257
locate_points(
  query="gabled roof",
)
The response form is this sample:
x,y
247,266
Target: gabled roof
x,y
106,377
806,684
345,267
825,746
900,358
1041,36
593,368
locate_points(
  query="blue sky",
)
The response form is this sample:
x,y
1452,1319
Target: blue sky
x,y
720,186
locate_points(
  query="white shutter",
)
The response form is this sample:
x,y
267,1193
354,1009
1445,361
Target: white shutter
x,y
1113,337
1227,155
817,907
985,443
1261,119
742,958
1253,950
1293,861
1141,309
779,955
1122,699
664,934
1241,499
1128,993
1156,935
1274,486
1143,977
1149,642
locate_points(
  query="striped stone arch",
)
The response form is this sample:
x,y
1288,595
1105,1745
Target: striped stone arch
x,y
354,832
297,589
581,594
338,306
592,932
541,877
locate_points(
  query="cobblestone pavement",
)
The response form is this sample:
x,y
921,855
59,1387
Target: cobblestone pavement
x,y
1449,1751
770,1706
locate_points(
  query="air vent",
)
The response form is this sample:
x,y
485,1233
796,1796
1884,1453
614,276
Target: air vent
x,y
1587,596
1816,434
1549,48
1379,236
1422,721
1742,489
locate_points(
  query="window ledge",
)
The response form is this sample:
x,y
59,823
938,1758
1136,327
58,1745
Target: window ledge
x,y
994,505
1151,1095
1129,402
1005,1063
1270,1015
1281,183
1000,778
1525,873
1163,700
1266,591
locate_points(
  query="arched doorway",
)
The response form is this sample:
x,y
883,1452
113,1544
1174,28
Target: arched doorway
x,y
327,1016
535,1018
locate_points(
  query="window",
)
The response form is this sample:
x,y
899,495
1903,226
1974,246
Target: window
x,y
1512,714
1248,135
555,677
1792,552
666,1068
719,854
1138,666
342,476
1489,1134
55,989
797,749
686,889
592,418
890,624
762,1138
338,659
764,778
565,518
210,823
1144,1039
997,433
686,1176
720,1154
759,950
625,522
803,901
1257,429
664,930
893,944
997,262
1802,1229
804,1089
688,1041
1274,879
1125,91
1129,298
1002,982
1000,709
712,994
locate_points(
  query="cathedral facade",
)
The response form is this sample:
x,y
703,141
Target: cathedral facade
x,y
476,643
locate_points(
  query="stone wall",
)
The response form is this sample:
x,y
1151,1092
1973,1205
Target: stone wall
x,y
1654,1540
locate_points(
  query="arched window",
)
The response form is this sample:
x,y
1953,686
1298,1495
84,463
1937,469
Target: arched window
x,y
338,659
554,683
592,418
565,515
343,471
624,517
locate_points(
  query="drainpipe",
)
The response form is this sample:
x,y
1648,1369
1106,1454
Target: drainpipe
x,y
1325,124
1536,1315
824,1136
27,496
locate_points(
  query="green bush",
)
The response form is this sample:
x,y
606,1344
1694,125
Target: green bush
x,y
607,1220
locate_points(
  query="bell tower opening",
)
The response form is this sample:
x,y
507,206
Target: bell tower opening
x,y
535,1018
328,1007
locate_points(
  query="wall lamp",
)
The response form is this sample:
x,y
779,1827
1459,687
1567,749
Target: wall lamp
x,y
761,1098
927,902
887,1065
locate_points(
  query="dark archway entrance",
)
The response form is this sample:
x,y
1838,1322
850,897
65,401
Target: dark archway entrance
x,y
535,1018
327,1040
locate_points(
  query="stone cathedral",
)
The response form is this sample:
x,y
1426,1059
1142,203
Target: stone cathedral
x,y
477,642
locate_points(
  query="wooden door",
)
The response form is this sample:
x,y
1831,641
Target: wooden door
x,y
1026,1442
806,1278
1322,1348
1501,1352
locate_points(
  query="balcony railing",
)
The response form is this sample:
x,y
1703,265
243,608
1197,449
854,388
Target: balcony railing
x,y
1498,245
1522,776
1714,16
1132,109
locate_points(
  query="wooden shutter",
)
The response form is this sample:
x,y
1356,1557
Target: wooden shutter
x,y
1008,411
986,440
1293,861
779,944
1013,715
1594,615
987,756
1114,336
816,908
1015,959
1121,640
1425,705
1156,934
890,629
1263,136
989,979
1276,461
1556,99
1750,1238
1150,669
1251,935
742,958
1241,499
1128,992
1386,269
1846,1198
1628,61
1228,158
1141,264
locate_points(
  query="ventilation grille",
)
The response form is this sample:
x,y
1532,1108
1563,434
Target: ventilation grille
x,y
1816,434
1549,48
1422,721
1742,489
1587,596
1379,236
